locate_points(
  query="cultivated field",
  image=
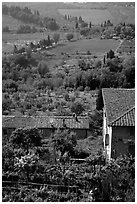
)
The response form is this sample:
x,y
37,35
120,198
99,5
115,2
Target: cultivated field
x,y
96,16
95,46
83,45
8,39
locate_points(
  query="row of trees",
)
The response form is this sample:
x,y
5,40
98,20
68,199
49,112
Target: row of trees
x,y
27,16
26,29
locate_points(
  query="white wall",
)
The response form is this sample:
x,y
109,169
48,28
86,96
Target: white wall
x,y
107,130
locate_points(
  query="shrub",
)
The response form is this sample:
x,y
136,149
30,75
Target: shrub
x,y
77,108
42,68
84,31
56,37
69,36
98,64
21,60
6,29
80,88
52,25
99,101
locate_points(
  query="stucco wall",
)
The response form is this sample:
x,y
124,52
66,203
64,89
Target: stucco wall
x,y
104,126
106,130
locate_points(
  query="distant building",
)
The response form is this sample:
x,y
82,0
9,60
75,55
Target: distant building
x,y
118,121
47,124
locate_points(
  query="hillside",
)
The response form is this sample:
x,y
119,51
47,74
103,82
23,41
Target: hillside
x,y
120,12
12,23
45,9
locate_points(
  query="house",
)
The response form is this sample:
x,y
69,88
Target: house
x,y
47,124
118,121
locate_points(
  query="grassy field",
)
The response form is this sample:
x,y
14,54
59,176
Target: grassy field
x,y
8,39
116,13
12,23
95,46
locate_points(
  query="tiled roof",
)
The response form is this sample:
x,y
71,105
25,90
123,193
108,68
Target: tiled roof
x,y
127,119
45,122
117,102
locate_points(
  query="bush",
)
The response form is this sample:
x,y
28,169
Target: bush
x,y
69,36
116,181
52,25
42,68
56,37
22,61
77,108
87,88
98,64
80,88
84,31
6,29
99,100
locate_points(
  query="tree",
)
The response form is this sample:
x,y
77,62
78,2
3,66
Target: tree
x,y
49,39
115,182
84,24
15,50
99,100
80,19
111,54
52,25
56,37
5,9
28,51
98,64
25,138
76,25
104,59
22,61
82,64
42,68
77,108
63,142
6,29
130,77
6,103
69,36
84,31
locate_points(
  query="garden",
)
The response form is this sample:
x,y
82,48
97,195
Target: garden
x,y
32,172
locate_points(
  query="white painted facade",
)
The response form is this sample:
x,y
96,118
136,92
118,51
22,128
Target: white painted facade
x,y
117,139
107,136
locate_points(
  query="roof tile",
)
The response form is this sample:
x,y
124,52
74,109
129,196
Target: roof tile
x,y
127,119
45,122
117,102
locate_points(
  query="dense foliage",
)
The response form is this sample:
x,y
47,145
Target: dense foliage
x,y
35,177
27,16
24,73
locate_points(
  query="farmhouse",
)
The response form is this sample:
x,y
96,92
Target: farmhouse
x,y
118,121
47,124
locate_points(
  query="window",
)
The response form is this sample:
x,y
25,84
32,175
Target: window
x,y
107,139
